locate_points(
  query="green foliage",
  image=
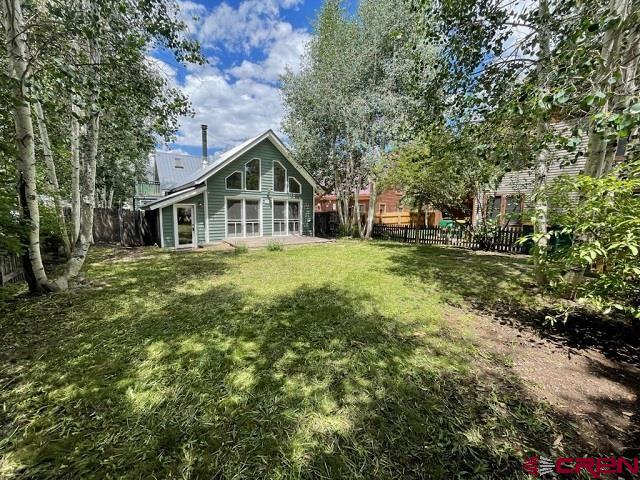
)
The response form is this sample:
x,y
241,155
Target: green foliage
x,y
274,247
597,257
11,227
240,250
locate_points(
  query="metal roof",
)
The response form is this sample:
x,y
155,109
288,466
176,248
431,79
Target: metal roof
x,y
169,174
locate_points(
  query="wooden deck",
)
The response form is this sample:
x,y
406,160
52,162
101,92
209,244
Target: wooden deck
x,y
258,242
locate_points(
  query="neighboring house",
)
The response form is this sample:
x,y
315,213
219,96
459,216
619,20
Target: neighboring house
x,y
166,170
514,193
255,189
388,206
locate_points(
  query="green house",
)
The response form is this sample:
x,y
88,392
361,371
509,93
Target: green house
x,y
253,190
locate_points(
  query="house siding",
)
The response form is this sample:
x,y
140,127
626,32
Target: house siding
x,y
267,153
167,226
521,182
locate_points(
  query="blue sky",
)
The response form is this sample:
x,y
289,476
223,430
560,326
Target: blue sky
x,y
248,44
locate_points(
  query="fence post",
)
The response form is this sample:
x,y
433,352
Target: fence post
x,y
406,233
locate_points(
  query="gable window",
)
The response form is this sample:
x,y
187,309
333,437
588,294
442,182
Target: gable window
x,y
382,208
234,181
279,177
294,185
252,174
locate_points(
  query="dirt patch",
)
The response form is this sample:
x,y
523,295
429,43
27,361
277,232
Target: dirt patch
x,y
598,394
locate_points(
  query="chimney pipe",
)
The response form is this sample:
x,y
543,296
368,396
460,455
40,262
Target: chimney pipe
x,y
205,161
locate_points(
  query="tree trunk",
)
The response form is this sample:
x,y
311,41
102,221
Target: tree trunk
x,y
542,160
356,211
75,172
19,72
52,176
373,196
600,154
88,178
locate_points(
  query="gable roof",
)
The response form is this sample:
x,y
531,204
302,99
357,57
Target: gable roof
x,y
227,157
168,175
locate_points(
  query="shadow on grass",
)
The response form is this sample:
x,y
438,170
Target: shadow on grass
x,y
501,286
221,383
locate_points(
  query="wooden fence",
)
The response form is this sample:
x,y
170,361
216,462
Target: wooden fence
x,y
11,269
503,240
129,228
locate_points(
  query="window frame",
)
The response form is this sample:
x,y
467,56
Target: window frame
x,y
300,218
299,185
259,175
241,181
243,215
286,178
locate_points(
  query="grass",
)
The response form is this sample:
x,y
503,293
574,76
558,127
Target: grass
x,y
329,361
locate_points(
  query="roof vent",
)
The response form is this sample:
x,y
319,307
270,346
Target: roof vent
x,y
178,163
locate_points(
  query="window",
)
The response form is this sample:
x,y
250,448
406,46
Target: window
x,y
294,185
279,218
252,175
178,163
363,208
493,207
279,177
382,208
234,218
333,206
294,218
513,209
252,218
234,181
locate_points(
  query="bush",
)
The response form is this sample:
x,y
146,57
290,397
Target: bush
x,y
274,247
240,249
600,263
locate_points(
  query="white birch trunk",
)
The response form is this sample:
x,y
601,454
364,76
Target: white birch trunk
x,y
52,175
88,174
75,172
19,71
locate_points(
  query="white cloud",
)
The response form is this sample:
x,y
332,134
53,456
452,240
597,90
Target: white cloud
x,y
243,99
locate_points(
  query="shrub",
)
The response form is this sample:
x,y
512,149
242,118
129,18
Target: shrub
x,y
240,249
274,247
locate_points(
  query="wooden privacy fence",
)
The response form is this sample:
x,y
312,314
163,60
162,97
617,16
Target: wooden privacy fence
x,y
10,269
129,228
503,240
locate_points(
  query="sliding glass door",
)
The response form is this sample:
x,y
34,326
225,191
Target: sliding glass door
x,y
234,218
243,217
279,218
252,218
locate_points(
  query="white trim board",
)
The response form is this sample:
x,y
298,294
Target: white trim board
x,y
175,198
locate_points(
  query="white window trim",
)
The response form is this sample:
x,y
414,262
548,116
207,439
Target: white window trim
x,y
286,178
161,230
205,194
241,181
299,185
244,198
194,222
259,175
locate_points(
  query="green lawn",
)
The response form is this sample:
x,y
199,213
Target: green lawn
x,y
331,361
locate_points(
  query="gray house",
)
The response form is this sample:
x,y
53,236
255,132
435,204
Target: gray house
x,y
255,189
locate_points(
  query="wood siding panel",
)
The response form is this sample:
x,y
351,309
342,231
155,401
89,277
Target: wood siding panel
x,y
167,226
